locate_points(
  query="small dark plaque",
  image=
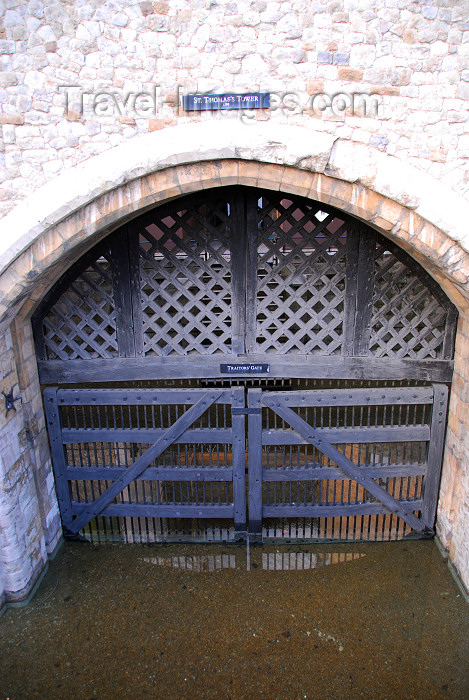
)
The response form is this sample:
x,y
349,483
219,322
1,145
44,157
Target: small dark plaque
x,y
246,368
248,100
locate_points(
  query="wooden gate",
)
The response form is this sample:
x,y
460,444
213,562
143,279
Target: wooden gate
x,y
345,463
149,465
272,287
328,464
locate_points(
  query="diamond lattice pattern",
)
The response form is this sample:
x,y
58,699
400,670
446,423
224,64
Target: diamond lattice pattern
x,y
408,321
300,278
185,270
82,323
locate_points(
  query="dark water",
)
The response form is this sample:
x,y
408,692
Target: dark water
x,y
185,621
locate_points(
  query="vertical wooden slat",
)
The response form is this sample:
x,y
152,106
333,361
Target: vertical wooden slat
x,y
122,296
364,298
134,261
450,331
435,453
39,340
238,271
251,234
361,247
351,284
239,465
255,463
58,454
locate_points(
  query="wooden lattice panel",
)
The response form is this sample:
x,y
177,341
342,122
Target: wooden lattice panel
x,y
82,322
300,278
408,320
185,270
245,273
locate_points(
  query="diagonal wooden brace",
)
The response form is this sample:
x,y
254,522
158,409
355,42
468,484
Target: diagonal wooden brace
x,y
140,464
344,463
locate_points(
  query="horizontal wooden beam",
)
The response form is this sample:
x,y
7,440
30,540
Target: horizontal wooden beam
x,y
197,366
418,433
204,436
140,397
152,474
155,510
391,472
356,397
288,510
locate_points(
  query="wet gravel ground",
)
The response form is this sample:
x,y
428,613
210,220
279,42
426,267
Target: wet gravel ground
x,y
221,621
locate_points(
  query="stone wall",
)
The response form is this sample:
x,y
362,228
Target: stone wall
x,y
23,552
76,159
453,511
413,56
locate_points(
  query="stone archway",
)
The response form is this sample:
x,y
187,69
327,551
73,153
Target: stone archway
x,y
69,223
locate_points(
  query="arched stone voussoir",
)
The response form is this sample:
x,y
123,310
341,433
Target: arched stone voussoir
x,y
403,183
189,143
52,227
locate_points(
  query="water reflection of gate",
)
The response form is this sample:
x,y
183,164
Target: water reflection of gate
x,y
246,560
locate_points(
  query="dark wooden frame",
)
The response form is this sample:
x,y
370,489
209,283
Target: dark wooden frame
x,y
244,230
354,362
325,439
293,433
76,515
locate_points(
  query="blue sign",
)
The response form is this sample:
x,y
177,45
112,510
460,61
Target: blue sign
x,y
249,100
247,368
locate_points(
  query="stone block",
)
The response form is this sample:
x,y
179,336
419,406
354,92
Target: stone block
x,y
7,47
315,87
158,23
367,203
409,36
157,124
321,187
455,117
295,181
227,172
299,56
160,185
362,55
325,57
269,175
390,212
11,119
351,75
379,141
340,17
341,59
198,176
463,91
289,26
342,195
146,8
248,172
7,79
